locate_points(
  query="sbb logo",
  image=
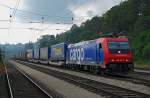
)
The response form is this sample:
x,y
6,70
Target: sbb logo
x,y
77,55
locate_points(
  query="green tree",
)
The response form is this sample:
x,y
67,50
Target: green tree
x,y
46,40
146,52
29,45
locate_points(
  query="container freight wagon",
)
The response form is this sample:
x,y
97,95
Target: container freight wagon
x,y
58,53
45,54
30,55
23,55
99,55
36,54
18,55
85,55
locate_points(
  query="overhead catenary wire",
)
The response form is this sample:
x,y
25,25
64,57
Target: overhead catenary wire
x,y
42,15
13,14
30,12
45,15
35,13
4,20
15,9
36,29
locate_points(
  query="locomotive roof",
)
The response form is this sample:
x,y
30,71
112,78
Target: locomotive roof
x,y
112,39
59,44
81,43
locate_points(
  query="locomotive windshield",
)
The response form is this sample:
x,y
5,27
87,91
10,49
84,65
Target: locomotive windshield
x,y
118,47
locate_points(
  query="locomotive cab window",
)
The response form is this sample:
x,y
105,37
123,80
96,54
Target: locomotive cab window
x,y
100,46
118,47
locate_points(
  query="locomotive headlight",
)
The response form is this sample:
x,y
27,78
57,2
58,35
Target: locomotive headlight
x,y
127,60
112,60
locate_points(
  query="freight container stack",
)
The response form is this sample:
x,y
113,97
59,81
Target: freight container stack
x,y
23,55
45,54
30,55
58,53
103,54
83,53
36,55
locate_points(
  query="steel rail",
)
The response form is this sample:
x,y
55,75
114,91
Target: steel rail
x,y
93,85
31,80
8,82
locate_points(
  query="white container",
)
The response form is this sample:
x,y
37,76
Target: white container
x,y
29,53
44,53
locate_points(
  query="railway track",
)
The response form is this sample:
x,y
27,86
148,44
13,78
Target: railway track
x,y
142,71
136,77
19,85
4,89
91,85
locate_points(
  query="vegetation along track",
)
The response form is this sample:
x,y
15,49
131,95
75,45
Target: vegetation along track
x,y
91,85
21,86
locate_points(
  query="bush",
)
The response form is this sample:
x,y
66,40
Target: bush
x,y
146,52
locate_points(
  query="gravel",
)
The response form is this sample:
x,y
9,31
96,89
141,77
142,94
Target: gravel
x,y
123,84
143,71
66,89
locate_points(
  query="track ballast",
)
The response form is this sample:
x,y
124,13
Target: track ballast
x,y
20,85
91,85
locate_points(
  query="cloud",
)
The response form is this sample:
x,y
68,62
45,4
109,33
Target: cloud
x,y
25,32
91,8
62,11
21,31
53,11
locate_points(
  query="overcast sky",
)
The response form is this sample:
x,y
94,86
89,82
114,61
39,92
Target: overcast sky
x,y
38,17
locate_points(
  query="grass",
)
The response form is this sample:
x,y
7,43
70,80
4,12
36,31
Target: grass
x,y
142,65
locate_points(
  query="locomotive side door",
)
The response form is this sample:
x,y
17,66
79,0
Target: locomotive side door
x,y
101,54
